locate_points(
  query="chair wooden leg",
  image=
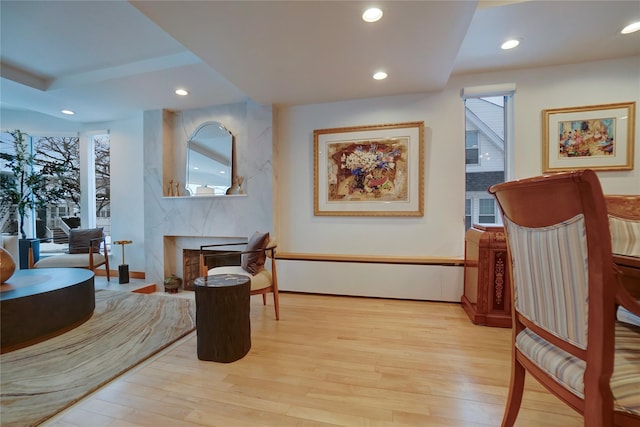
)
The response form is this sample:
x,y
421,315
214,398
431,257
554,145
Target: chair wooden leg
x,y
516,389
276,304
264,299
31,257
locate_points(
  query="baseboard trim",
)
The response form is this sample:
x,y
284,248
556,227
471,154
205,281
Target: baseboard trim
x,y
375,259
114,273
147,289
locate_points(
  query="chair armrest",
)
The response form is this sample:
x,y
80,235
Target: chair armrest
x,y
103,242
269,250
221,244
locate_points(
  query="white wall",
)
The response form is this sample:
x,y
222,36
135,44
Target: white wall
x,y
301,231
127,192
440,233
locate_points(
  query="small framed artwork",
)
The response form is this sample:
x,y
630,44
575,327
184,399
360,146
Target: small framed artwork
x,y
375,170
598,137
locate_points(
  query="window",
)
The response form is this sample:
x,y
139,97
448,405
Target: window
x,y
102,181
487,211
62,155
471,144
488,130
55,159
72,189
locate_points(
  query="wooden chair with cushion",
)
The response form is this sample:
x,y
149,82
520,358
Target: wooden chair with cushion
x,y
253,258
565,294
84,252
624,224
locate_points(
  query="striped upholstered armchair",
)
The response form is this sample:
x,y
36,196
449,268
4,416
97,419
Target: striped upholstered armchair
x,y
624,224
566,293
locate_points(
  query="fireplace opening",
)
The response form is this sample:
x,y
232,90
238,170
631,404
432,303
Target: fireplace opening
x,y
191,264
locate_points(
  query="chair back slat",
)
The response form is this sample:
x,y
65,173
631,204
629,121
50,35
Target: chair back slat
x,y
550,276
625,236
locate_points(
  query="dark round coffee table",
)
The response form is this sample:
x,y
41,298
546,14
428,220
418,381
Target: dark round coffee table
x,y
222,317
40,303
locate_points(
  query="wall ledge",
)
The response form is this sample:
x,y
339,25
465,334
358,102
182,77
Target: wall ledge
x,y
371,259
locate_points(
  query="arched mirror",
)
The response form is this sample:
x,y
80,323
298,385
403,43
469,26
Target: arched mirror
x,y
209,160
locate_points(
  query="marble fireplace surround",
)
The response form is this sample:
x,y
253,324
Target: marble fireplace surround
x,y
175,223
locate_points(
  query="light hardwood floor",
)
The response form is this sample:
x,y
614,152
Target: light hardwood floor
x,y
331,360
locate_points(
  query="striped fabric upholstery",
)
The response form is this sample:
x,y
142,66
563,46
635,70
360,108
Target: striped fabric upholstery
x,y
569,370
624,236
550,277
625,316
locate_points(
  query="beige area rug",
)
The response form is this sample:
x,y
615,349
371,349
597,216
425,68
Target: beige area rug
x,y
126,328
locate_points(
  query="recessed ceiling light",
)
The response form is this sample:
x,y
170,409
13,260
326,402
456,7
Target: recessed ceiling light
x,y
380,75
631,28
181,92
510,44
373,14
68,112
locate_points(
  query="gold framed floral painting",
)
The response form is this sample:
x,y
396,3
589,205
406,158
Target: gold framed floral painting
x,y
375,170
599,137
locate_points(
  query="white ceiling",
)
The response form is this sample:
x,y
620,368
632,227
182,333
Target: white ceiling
x,y
108,60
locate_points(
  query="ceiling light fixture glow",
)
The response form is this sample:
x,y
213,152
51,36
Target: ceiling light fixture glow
x,y
510,44
68,112
181,92
373,14
631,28
380,75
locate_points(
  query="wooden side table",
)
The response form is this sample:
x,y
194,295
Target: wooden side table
x,y
123,269
222,317
487,293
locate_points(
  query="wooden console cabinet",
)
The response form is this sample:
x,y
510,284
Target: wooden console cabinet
x,y
487,293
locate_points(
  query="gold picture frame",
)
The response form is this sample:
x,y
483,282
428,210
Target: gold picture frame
x,y
599,137
375,170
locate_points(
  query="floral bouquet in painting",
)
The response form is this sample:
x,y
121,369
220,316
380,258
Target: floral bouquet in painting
x,y
371,168
368,170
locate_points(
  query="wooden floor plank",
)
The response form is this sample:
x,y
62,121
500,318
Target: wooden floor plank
x,y
331,360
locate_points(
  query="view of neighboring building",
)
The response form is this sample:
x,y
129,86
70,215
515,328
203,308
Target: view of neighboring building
x,y
485,158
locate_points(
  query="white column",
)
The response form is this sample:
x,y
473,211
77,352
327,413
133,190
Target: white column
x,y
87,181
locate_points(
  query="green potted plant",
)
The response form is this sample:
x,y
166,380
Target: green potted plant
x,y
26,187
